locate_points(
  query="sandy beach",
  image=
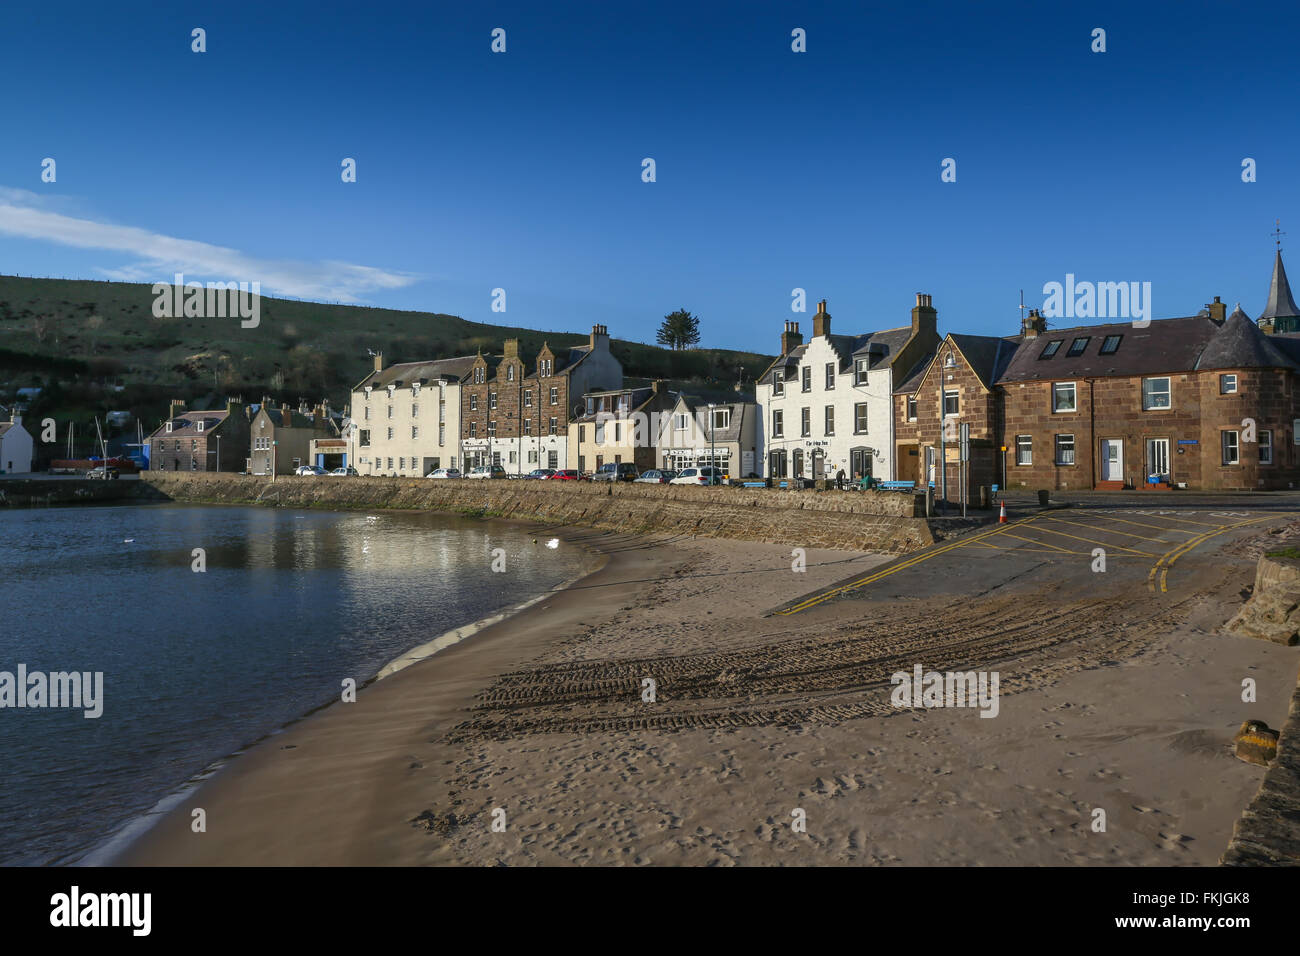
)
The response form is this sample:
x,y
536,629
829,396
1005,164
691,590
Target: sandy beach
x,y
538,722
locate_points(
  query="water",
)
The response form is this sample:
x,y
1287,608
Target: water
x,y
197,666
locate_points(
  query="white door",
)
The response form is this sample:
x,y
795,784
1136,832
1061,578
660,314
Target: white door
x,y
1112,459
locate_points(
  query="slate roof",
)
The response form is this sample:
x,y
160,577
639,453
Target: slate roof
x,y
186,424
1241,344
695,404
1280,303
912,380
430,371
4,427
637,397
1166,345
988,355
879,348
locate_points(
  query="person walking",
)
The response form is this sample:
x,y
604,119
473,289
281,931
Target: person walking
x,y
839,480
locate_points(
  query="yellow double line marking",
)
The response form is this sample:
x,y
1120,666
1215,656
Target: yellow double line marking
x,y
900,566
1166,561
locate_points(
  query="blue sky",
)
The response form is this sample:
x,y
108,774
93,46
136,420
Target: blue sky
x,y
775,170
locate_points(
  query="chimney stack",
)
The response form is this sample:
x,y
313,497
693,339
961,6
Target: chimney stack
x,y
821,321
1033,325
379,361
511,349
925,320
1218,311
176,409
790,338
599,338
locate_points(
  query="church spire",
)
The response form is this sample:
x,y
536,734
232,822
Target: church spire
x,y
1280,303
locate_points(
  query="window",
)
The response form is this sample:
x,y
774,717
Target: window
x,y
950,361
401,464
366,416
390,463
492,429
679,422
860,372
555,396
1064,398
830,375
806,378
199,425
911,408
778,424
1228,384
1155,393
528,398
415,410
1065,449
1050,349
415,431
473,403
830,420
555,425
951,403
618,432
473,429
479,375
528,428
1110,344
492,400
390,434
1024,450
1265,447
722,418
365,438
1078,345
169,427
778,385
805,422
1231,449
860,418
390,411
510,373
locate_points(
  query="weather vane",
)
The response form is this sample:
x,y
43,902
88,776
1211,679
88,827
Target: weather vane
x,y
1277,234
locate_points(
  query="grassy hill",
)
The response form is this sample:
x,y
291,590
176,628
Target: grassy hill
x,y
100,346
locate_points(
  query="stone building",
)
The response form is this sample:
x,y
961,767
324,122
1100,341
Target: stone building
x,y
518,416
15,446
405,420
280,438
1280,315
827,404
955,386
622,425
212,440
1205,401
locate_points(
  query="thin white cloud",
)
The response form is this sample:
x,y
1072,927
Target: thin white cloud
x,y
159,257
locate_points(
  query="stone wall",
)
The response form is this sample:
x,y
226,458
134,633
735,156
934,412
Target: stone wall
x,y
866,521
47,493
1268,833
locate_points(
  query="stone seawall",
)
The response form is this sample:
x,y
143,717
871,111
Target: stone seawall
x,y
1268,833
50,493
855,521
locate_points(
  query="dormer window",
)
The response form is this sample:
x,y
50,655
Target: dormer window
x,y
169,427
1110,344
199,425
1050,349
778,384
1078,345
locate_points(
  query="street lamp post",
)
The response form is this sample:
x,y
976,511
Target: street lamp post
x,y
712,452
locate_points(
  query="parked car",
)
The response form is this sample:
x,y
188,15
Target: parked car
x,y
656,476
309,470
487,471
565,474
698,476
616,471
103,473
348,470
539,473
445,473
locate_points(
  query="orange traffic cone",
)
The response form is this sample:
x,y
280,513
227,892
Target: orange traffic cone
x,y
1002,515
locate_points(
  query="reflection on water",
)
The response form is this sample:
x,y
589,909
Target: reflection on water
x,y
197,665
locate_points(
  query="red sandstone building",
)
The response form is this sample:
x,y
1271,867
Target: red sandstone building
x,y
1207,401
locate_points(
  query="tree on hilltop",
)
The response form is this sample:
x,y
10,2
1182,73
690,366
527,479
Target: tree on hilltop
x,y
679,330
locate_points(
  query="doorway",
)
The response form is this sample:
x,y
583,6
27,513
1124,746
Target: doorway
x,y
1158,460
1112,459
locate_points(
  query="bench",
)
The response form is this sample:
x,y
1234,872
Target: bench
x,y
896,485
753,484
